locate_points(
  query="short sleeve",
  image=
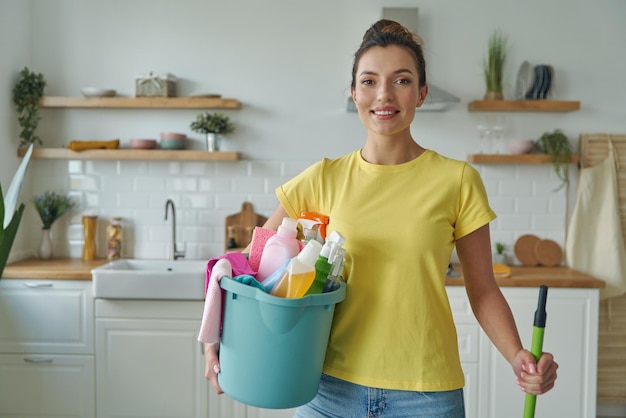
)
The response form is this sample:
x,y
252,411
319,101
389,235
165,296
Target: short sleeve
x,y
474,210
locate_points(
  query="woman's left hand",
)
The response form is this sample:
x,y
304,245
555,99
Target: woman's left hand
x,y
533,377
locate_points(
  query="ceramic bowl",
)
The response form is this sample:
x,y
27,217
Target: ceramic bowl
x,y
173,143
97,92
140,143
521,146
173,135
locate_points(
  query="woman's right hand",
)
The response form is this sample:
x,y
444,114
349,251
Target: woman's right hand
x,y
212,365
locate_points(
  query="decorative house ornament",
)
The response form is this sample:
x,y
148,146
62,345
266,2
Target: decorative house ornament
x,y
155,85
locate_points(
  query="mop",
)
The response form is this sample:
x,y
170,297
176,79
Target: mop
x,y
536,347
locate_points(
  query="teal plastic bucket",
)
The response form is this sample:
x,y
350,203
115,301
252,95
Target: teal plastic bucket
x,y
272,349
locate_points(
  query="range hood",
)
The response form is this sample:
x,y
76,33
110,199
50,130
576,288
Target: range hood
x,y
437,99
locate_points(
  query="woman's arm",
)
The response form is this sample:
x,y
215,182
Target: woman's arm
x,y
494,315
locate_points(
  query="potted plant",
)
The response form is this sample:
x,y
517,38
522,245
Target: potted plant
x,y
493,66
26,95
50,206
559,148
500,256
213,125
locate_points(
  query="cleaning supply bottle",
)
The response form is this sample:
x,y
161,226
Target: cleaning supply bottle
x,y
319,220
335,275
310,229
279,248
299,273
323,264
271,280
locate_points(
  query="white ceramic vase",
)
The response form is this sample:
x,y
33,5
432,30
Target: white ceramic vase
x,y
45,251
499,258
212,142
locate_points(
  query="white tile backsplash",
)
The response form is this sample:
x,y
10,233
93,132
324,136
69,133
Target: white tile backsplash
x,y
205,193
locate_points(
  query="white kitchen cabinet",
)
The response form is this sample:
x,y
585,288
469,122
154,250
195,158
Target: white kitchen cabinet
x,y
46,349
571,334
149,362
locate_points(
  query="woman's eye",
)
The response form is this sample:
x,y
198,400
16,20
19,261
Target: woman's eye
x,y
367,82
403,81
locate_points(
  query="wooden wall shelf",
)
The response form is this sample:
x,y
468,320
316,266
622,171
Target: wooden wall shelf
x,y
523,106
138,102
130,154
514,159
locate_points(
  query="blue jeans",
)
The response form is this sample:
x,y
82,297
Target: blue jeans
x,y
340,399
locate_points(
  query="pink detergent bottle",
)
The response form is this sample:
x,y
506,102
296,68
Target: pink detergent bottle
x,y
279,248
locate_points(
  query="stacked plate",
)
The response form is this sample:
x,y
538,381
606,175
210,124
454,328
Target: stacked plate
x,y
173,140
141,143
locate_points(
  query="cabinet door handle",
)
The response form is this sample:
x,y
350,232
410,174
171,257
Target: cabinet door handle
x,y
38,360
38,285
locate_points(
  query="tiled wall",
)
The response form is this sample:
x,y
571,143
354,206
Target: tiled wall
x,y
205,193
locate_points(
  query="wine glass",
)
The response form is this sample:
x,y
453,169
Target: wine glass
x,y
497,130
484,131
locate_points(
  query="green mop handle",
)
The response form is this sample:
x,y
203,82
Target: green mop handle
x,y
536,347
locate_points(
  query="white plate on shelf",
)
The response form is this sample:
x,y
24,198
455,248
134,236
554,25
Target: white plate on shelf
x,y
97,92
524,80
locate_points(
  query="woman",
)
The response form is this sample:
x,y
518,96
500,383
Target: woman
x,y
402,208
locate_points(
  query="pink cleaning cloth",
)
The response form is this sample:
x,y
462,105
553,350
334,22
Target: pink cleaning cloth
x,y
211,326
239,264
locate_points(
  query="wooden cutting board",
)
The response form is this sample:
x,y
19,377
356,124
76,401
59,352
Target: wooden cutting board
x,y
548,253
239,227
525,249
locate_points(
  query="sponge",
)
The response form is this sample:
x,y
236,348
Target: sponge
x,y
260,236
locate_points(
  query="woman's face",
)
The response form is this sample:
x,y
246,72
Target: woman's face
x,y
387,90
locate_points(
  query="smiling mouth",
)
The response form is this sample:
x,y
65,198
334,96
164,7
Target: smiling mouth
x,y
384,112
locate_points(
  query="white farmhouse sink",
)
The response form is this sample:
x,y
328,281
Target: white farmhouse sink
x,y
150,279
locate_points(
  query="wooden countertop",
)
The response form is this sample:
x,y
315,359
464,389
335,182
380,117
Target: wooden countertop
x,y
536,276
58,268
76,269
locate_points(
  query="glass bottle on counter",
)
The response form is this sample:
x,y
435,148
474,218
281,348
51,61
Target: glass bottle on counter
x,y
114,239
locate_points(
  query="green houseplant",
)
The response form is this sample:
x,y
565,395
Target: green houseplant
x,y
26,95
493,66
9,216
213,125
557,145
500,256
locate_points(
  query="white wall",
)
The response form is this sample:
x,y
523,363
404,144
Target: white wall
x,y
289,63
15,48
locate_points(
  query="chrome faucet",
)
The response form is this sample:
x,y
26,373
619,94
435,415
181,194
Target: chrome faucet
x,y
175,254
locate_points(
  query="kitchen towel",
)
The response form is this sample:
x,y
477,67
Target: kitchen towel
x,y
211,326
238,262
594,243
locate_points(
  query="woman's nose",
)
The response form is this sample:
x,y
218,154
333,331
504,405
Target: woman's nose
x,y
385,92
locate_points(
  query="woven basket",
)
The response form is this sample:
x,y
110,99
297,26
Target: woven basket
x,y
155,85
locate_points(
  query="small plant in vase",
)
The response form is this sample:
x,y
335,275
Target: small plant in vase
x,y
213,125
50,206
493,66
500,256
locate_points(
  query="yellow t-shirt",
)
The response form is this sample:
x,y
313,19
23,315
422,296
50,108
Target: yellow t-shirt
x,y
394,329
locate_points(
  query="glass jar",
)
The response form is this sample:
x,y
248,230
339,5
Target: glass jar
x,y
114,239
